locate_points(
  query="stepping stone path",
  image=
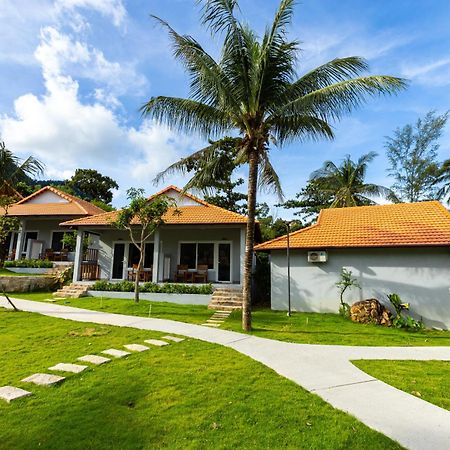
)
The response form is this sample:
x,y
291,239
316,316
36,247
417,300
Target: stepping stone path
x,y
63,367
173,338
136,347
10,393
217,319
94,359
156,342
43,379
116,353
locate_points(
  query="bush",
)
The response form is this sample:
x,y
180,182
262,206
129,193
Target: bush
x,y
167,288
400,321
30,263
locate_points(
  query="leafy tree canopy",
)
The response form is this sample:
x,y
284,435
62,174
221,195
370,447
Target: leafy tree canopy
x,y
89,184
412,155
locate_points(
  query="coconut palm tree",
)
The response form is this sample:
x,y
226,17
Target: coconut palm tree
x,y
252,92
346,183
13,169
444,179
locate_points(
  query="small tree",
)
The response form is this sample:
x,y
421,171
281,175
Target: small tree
x,y
141,219
346,282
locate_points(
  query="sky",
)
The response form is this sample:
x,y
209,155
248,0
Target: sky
x,y
74,73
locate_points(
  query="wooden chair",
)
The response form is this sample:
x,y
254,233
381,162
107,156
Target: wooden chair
x,y
180,274
49,254
201,275
64,255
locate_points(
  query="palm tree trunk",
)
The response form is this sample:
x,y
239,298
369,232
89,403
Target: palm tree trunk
x,y
249,240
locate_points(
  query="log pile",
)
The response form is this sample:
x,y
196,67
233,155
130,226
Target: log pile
x,y
370,311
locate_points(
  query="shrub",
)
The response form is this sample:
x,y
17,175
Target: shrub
x,y
167,288
346,282
400,321
30,263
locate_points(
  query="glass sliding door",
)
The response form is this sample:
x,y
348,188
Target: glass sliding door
x,y
224,273
118,261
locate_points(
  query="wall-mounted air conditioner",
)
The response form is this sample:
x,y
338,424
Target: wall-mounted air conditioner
x,y
317,256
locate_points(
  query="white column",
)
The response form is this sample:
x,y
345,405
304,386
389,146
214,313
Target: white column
x,y
20,240
242,255
78,257
156,242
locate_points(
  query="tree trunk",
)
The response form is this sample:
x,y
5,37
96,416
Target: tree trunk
x,y
138,273
249,240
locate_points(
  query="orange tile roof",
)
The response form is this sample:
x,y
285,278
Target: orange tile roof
x,y
201,214
398,225
73,207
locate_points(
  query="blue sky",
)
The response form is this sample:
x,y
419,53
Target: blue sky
x,y
75,72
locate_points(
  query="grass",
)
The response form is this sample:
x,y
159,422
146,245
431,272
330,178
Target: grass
x,y
161,310
9,273
429,380
190,395
308,328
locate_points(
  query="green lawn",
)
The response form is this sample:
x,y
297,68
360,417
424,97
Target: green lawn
x,y
190,395
429,380
9,273
309,328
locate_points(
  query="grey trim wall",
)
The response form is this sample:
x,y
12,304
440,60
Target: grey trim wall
x,y
182,299
421,276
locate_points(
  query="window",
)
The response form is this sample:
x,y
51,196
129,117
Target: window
x,y
57,237
194,254
133,255
188,255
205,255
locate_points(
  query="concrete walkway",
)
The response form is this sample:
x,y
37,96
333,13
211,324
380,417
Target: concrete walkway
x,y
325,370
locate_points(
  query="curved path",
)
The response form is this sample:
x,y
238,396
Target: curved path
x,y
325,370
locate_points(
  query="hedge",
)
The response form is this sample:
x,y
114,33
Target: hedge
x,y
30,263
167,288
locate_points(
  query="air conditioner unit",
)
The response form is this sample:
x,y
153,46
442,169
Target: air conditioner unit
x,y
317,256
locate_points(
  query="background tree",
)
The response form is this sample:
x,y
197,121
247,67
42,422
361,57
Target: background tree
x,y
8,224
253,91
14,169
309,201
412,155
90,185
346,184
141,219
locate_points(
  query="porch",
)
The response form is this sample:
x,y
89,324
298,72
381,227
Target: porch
x,y
187,255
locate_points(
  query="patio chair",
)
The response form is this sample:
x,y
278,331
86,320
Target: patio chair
x,y
180,274
64,255
49,254
201,275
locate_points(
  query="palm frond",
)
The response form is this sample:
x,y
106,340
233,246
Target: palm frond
x,y
218,15
208,83
268,178
334,101
187,115
289,128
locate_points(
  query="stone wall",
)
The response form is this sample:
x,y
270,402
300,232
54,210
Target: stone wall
x,y
26,283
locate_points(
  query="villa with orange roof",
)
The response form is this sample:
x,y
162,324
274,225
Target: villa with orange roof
x,y
198,242
40,214
402,248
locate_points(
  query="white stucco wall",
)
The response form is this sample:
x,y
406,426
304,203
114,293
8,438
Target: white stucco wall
x,y
421,276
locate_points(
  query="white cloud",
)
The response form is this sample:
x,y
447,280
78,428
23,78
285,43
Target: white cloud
x,y
430,73
113,9
66,132
61,53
